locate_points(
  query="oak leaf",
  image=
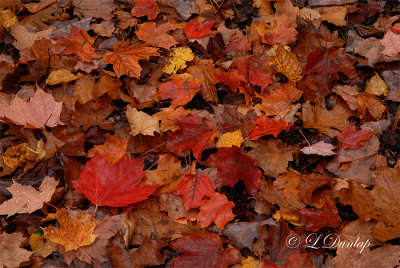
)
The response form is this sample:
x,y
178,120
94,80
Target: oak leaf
x,y
125,58
114,186
142,123
41,111
26,199
195,133
11,255
196,30
72,233
180,89
147,8
178,59
156,36
202,250
194,188
233,166
217,209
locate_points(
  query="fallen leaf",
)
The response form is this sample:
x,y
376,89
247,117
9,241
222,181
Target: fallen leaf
x,y
82,227
377,86
125,58
25,113
319,148
327,216
147,8
203,250
100,9
180,89
114,186
391,41
196,30
195,133
26,199
11,254
156,36
142,123
194,188
267,126
350,137
7,18
113,149
178,59
233,166
287,63
61,76
230,139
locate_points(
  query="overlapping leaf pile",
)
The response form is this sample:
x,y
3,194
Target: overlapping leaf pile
x,y
193,133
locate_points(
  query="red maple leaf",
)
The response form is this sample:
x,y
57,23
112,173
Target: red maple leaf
x,y
181,89
233,166
147,8
203,250
114,186
350,137
80,43
246,70
217,209
196,30
193,188
267,126
195,133
327,216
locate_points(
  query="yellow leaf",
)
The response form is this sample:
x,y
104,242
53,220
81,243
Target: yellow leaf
x,y
292,218
249,262
72,233
142,123
287,63
377,86
7,18
41,246
230,139
178,60
61,76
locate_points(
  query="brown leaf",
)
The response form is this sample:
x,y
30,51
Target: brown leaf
x,y
11,255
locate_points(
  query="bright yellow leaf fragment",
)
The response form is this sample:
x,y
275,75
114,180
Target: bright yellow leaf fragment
x,y
61,76
7,18
230,139
249,262
178,60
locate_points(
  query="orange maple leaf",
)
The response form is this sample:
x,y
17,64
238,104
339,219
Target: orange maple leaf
x,y
125,58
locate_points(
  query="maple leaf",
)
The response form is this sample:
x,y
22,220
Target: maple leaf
x,y
279,33
125,58
267,126
26,199
196,30
112,150
217,209
203,250
81,227
350,137
114,186
233,166
11,255
194,188
156,36
327,216
319,148
147,8
42,110
80,43
391,41
181,89
195,133
142,123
